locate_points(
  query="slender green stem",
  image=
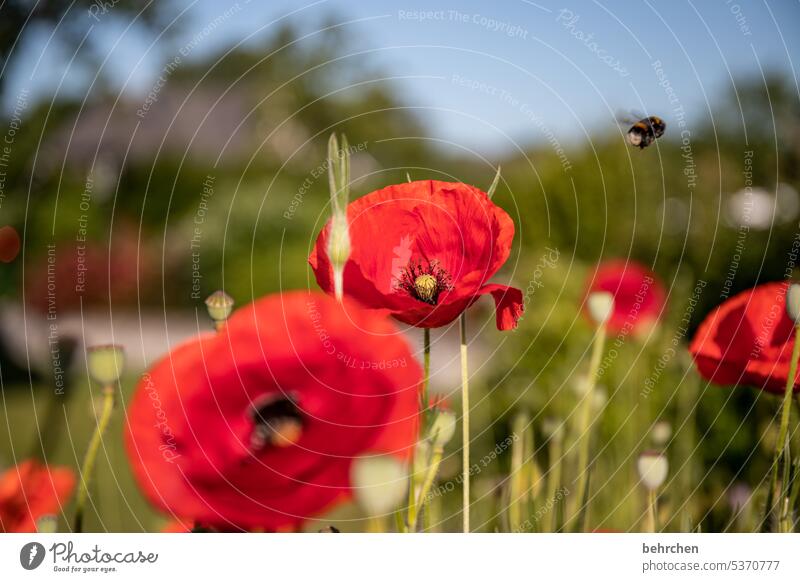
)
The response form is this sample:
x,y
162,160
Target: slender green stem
x,y
518,474
782,443
554,478
424,420
433,468
87,468
465,421
412,492
426,412
652,511
426,379
399,524
586,413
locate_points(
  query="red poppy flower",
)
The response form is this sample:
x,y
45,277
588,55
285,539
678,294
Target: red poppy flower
x,y
747,340
639,296
9,244
92,273
255,427
424,251
30,491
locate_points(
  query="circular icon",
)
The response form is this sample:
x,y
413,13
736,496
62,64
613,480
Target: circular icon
x,y
31,555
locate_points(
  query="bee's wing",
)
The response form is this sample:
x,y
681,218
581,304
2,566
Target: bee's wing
x,y
625,118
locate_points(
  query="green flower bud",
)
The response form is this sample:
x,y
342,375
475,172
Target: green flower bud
x,y
443,428
793,303
339,240
661,433
379,483
219,305
653,468
105,363
601,306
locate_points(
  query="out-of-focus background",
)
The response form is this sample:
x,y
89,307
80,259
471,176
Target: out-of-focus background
x,y
154,152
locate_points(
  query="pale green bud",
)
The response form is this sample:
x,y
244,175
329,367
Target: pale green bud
x,y
661,433
601,306
379,483
220,306
443,429
105,363
653,468
793,303
339,240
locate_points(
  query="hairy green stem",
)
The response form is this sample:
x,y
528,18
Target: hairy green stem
x,y
87,469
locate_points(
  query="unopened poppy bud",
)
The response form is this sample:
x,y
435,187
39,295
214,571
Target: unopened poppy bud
x,y
653,468
47,524
661,433
601,306
379,483
339,241
443,429
339,250
219,305
793,303
105,363
339,235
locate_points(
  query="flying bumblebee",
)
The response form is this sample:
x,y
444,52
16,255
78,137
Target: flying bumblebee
x,y
645,131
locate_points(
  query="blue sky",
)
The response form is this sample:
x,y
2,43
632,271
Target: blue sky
x,y
488,75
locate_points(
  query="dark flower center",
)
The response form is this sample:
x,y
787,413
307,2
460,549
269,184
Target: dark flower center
x,y
424,281
277,422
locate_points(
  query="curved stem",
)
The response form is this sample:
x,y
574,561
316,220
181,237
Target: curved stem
x,y
465,421
433,468
91,456
586,413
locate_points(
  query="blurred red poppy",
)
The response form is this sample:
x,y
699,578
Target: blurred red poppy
x,y
92,273
639,297
30,491
9,244
255,427
423,251
747,340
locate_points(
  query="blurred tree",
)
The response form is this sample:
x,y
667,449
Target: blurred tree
x,y
67,20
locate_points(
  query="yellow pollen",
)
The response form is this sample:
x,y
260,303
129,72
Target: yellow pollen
x,y
285,432
425,286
